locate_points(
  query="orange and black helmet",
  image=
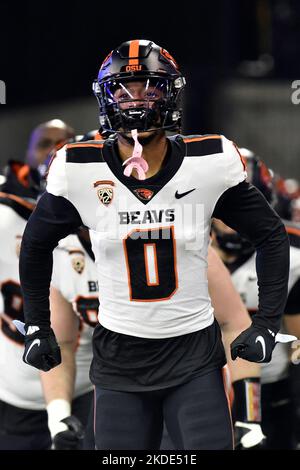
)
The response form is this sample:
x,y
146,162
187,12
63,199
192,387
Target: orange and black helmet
x,y
159,79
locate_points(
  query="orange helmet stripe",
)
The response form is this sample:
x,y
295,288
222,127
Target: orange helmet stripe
x,y
134,52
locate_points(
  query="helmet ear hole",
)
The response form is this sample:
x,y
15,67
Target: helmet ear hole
x,y
146,62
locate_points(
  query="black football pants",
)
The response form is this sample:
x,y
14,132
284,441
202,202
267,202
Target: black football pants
x,y
196,416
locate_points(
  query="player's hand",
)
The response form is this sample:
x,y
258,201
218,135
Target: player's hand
x,y
254,344
257,343
248,436
72,437
41,349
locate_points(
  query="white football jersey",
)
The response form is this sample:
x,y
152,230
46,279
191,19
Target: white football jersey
x,y
75,276
19,383
245,281
150,238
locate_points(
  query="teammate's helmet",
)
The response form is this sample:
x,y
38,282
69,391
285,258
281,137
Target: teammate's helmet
x,y
21,180
262,178
153,72
259,174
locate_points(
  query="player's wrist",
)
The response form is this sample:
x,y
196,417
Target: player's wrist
x,y
57,410
267,325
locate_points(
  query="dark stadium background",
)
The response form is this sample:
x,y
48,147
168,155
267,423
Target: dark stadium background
x,y
240,58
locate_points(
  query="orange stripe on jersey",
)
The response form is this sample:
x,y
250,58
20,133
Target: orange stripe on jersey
x,y
198,139
293,230
100,182
73,146
242,159
134,52
18,199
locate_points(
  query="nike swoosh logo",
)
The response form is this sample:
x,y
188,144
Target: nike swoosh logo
x,y
261,340
36,341
178,196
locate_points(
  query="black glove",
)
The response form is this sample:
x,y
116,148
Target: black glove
x,y
248,436
70,439
254,344
41,349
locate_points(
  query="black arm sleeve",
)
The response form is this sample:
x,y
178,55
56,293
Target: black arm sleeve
x,y
53,219
244,209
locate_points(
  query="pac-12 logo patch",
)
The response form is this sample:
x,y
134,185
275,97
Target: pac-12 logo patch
x,y
144,194
105,193
77,260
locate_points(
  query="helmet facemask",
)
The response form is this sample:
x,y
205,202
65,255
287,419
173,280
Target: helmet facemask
x,y
146,102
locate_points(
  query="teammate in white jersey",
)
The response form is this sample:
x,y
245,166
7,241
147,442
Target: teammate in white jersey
x,y
157,349
23,417
21,398
74,308
239,256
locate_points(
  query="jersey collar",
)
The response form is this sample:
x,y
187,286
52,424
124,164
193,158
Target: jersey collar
x,y
174,158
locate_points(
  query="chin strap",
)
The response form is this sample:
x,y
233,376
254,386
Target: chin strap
x,y
136,161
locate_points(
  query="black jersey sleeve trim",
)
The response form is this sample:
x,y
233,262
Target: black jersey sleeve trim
x,y
245,209
53,219
198,146
84,153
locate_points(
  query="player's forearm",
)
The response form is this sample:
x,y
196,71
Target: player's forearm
x,y
59,382
239,369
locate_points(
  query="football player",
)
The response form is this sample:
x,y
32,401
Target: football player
x,y
23,419
148,200
45,137
23,416
74,308
239,256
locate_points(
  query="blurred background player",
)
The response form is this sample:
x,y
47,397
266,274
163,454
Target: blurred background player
x,y
21,405
239,256
23,418
74,309
242,378
44,138
287,193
